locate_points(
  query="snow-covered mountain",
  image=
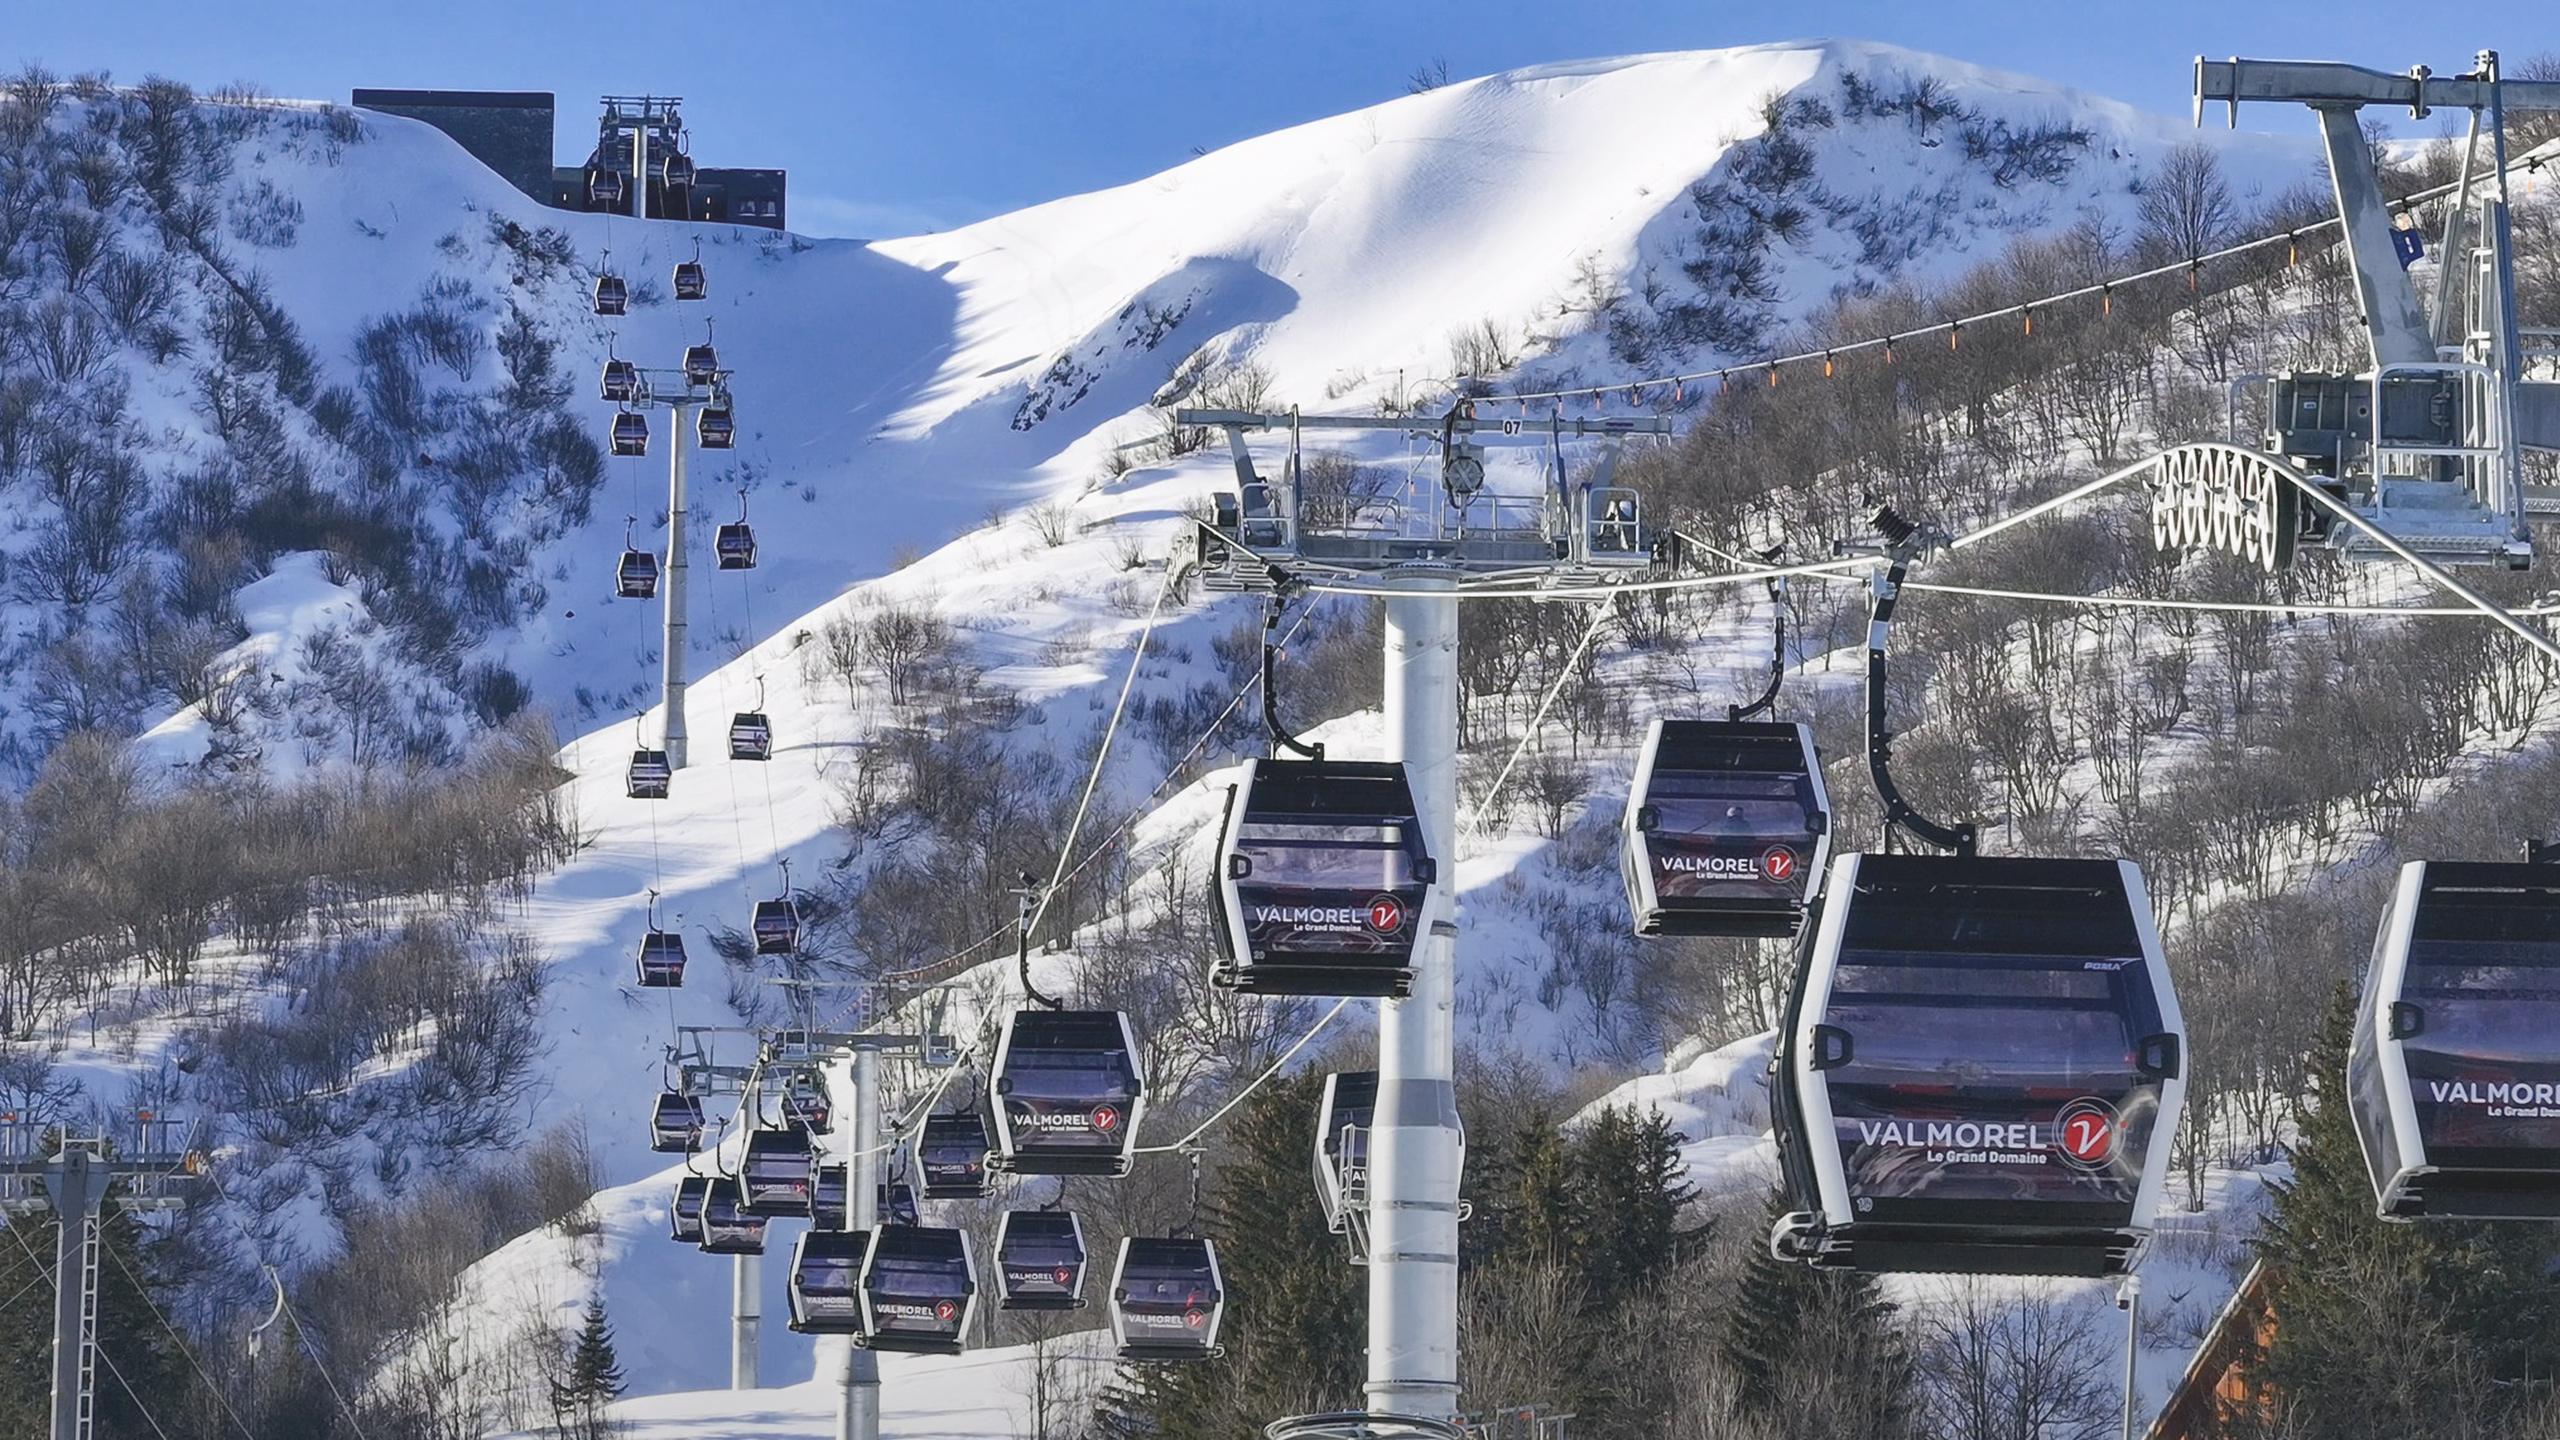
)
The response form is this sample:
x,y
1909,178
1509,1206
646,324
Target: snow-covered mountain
x,y
928,423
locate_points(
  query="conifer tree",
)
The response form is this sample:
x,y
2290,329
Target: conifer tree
x,y
1789,1321
594,1377
2391,1329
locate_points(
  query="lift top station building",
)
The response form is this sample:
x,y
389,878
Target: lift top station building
x,y
510,131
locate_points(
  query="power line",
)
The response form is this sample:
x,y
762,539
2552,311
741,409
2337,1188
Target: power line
x,y
2023,310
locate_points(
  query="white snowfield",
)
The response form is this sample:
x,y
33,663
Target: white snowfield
x,y
890,393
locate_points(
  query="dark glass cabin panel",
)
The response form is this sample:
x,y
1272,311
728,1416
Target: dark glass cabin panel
x,y
1730,838
2482,989
1041,1258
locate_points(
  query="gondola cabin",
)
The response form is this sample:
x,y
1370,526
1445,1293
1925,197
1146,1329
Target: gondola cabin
x,y
1727,828
635,576
804,1103
826,1282
648,775
1980,1069
1040,1260
830,1204
1323,882
661,960
630,434
677,172
1342,1143
676,1123
776,926
735,545
690,281
715,426
1067,1094
1167,1298
684,1209
728,1226
919,1290
612,297
951,1157
620,381
604,189
2454,1074
750,736
778,1171
701,364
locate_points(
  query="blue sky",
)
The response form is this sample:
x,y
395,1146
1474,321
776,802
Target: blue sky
x,y
895,116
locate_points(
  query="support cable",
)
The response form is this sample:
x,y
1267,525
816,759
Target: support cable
x,y
1259,1081
96,1347
1600,614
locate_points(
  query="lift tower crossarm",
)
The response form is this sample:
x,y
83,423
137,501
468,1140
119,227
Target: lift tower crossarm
x,y
2322,82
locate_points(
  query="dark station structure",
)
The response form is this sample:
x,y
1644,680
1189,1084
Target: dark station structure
x,y
511,131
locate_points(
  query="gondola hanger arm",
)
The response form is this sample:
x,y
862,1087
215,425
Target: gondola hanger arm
x,y
1777,644
1281,738
1901,542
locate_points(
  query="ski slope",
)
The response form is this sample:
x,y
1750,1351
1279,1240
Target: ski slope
x,y
902,402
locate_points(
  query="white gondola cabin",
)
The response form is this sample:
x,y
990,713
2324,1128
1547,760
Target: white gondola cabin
x,y
1324,883
919,1290
2454,1074
750,736
611,297
734,545
635,575
1727,828
701,364
684,1209
648,776
1066,1094
829,1203
661,960
715,426
951,1156
1167,1298
1040,1260
620,381
778,1171
728,1226
1980,1070
776,925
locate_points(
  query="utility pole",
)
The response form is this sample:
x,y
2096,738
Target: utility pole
x,y
858,1408
1420,549
156,1171
671,664
1415,1146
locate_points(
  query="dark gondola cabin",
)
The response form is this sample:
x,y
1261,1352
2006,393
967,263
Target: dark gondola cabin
x,y
1323,881
830,1206
604,189
735,545
661,960
1066,1094
826,1282
684,1209
716,426
630,434
951,1157
778,1171
690,281
677,172
635,576
620,381
777,926
1727,828
728,1226
701,364
804,1103
750,736
612,297
1342,1142
675,1123
648,775
919,1290
1980,1069
1167,1298
2454,1075
1040,1260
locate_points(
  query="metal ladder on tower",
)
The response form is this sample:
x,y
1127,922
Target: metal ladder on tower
x,y
88,1341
